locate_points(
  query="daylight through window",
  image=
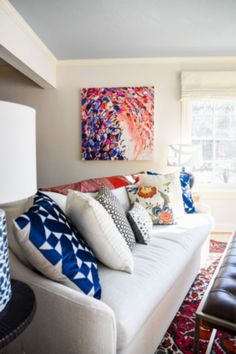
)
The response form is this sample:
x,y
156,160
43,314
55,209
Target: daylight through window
x,y
213,125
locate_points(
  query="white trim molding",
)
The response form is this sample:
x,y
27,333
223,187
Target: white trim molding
x,y
22,48
155,60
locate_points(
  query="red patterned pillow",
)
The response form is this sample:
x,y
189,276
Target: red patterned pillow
x,y
94,184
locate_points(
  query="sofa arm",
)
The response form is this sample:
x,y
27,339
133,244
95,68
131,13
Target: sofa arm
x,y
66,321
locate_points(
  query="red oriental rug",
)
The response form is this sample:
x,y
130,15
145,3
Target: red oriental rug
x,y
180,335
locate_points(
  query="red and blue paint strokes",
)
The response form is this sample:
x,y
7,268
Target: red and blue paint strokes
x,y
117,123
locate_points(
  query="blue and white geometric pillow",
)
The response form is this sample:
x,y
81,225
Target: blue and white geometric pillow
x,y
54,247
189,206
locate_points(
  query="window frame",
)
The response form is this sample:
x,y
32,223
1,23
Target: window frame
x,y
186,138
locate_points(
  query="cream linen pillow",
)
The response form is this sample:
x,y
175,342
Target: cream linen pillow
x,y
99,231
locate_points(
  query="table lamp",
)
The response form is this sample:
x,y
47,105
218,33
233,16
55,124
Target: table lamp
x,y
17,174
185,156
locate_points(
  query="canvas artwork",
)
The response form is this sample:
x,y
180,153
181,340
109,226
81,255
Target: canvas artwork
x,y
117,123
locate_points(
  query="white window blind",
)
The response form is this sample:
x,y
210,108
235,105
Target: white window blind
x,y
208,84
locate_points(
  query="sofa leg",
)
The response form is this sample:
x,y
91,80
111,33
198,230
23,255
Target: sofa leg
x,y
211,342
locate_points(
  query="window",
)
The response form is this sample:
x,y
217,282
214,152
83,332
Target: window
x,y
212,124
209,118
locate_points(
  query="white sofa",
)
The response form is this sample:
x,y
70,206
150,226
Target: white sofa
x,y
135,309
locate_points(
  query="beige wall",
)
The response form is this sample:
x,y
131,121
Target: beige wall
x,y
58,112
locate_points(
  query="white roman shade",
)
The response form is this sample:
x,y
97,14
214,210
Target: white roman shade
x,y
208,84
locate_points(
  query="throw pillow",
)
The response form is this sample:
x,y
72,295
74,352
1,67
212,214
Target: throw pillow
x,y
189,206
155,201
99,231
170,183
59,199
141,223
112,205
54,247
92,185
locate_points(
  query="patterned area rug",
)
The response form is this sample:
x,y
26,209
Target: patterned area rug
x,y
180,335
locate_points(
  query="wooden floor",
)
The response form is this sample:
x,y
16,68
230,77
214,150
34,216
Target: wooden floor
x,y
221,236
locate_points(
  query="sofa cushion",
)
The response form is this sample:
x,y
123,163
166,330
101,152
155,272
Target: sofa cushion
x,y
133,297
53,246
112,205
59,199
169,182
13,210
154,200
99,231
120,193
94,184
140,222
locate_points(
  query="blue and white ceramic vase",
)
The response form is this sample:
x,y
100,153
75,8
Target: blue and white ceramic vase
x,y
5,281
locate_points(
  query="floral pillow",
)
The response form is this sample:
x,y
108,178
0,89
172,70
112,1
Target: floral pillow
x,y
155,201
170,185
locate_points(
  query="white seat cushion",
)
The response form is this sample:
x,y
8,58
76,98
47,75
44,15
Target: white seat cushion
x,y
133,297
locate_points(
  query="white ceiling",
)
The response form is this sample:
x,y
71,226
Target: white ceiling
x,y
86,29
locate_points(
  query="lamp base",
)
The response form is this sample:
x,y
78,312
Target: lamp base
x,y
191,179
5,285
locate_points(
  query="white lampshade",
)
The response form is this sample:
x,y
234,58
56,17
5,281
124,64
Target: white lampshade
x,y
185,155
17,152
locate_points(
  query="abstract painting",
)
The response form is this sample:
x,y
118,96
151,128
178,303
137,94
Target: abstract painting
x,y
117,123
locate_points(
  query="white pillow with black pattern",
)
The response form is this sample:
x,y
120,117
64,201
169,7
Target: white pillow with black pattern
x,y
141,223
112,205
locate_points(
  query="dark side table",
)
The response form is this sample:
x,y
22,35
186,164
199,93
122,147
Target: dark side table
x,y
18,313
